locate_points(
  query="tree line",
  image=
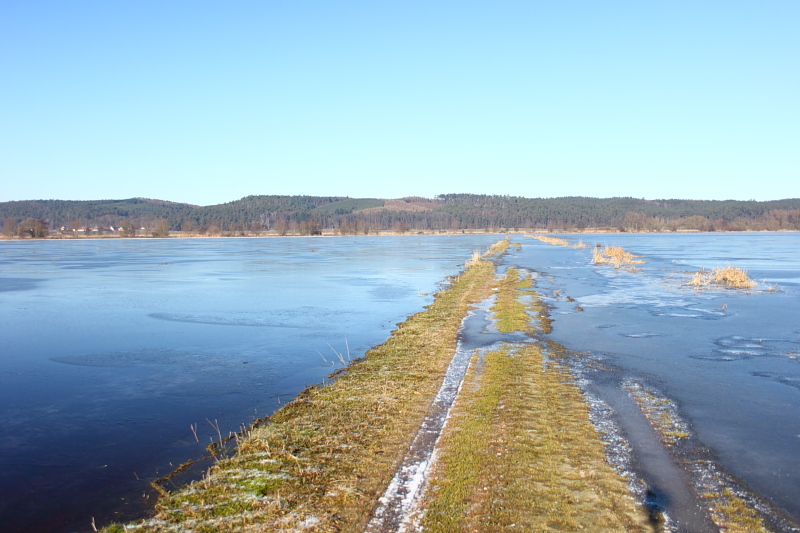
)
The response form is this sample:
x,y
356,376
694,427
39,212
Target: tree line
x,y
311,215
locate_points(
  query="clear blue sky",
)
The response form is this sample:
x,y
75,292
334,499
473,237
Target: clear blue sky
x,y
207,102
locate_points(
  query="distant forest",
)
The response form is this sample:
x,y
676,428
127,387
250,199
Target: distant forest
x,y
312,215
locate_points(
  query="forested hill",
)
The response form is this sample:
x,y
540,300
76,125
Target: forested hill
x,y
313,214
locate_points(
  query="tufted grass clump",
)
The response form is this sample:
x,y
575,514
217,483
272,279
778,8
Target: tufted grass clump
x,y
520,454
552,241
728,277
616,256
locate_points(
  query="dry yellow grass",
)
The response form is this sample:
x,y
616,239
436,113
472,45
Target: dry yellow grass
x,y
615,256
557,241
553,241
520,454
733,515
728,276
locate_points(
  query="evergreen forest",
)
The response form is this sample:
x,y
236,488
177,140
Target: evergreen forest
x,y
314,215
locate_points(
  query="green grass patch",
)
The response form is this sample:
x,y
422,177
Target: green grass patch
x,y
511,314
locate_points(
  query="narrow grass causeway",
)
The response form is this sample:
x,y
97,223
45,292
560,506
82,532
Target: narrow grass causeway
x,y
519,452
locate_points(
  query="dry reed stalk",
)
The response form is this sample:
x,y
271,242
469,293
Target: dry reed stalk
x,y
614,255
729,276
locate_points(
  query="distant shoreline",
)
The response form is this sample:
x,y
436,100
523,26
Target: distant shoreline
x,y
388,233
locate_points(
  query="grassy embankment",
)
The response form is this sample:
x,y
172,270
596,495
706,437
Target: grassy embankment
x,y
321,462
519,452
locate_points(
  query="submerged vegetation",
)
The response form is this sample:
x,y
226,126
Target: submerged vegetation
x,y
661,413
729,277
732,514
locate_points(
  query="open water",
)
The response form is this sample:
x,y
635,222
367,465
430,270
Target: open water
x,y
111,350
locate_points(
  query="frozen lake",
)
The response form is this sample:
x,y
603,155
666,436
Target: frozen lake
x,y
111,349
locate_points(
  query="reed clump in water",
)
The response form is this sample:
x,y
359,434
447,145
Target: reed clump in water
x,y
615,256
552,241
474,260
729,276
557,241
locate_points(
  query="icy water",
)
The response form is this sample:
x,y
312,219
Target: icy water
x,y
110,350
730,361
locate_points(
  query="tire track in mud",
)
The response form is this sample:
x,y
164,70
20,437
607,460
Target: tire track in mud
x,y
399,508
